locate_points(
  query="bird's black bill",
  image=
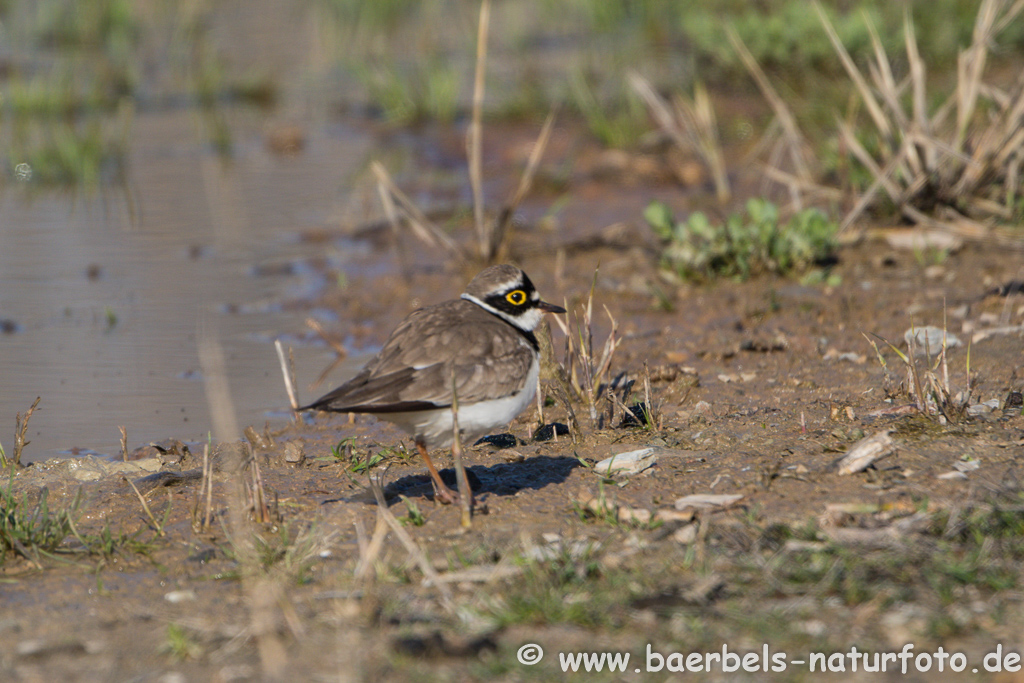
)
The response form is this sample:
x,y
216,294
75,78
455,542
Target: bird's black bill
x,y
550,308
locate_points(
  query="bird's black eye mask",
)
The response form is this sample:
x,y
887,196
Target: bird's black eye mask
x,y
513,302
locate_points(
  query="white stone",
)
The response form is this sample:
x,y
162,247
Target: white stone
x,y
707,500
630,462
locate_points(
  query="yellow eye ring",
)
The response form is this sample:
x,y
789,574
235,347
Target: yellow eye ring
x,y
516,297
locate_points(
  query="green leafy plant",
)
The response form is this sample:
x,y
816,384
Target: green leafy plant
x,y
343,449
344,453
745,245
360,466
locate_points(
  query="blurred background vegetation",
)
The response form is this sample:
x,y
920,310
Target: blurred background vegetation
x,y
74,73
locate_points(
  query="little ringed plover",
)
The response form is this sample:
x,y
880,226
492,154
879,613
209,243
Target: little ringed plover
x,y
484,340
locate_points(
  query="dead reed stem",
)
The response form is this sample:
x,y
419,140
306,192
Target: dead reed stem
x,y
692,126
340,351
289,380
208,486
790,131
420,226
124,443
145,507
585,372
465,494
368,556
430,575
475,142
20,427
495,238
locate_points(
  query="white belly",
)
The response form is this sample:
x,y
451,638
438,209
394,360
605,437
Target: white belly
x,y
475,420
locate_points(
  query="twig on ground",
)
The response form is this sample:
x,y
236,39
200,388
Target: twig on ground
x,y
145,507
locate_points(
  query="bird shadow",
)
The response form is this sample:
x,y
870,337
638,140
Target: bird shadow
x,y
502,479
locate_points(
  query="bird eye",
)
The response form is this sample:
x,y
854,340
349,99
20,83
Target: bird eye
x,y
516,298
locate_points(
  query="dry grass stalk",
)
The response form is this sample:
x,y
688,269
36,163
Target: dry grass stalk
x,y
791,142
369,552
692,126
496,236
808,189
397,205
208,488
340,352
256,496
263,594
215,382
124,443
20,427
157,526
932,395
560,389
289,382
465,494
475,141
430,575
960,175
654,417
587,371
490,235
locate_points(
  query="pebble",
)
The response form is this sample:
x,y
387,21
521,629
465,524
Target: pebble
x,y
175,597
630,462
865,452
686,534
983,408
294,452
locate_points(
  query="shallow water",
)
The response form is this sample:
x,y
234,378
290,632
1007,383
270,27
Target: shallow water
x,y
107,293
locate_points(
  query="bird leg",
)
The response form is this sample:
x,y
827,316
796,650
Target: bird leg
x,y
441,490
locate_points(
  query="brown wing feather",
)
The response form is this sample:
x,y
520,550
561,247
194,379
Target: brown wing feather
x,y
413,371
